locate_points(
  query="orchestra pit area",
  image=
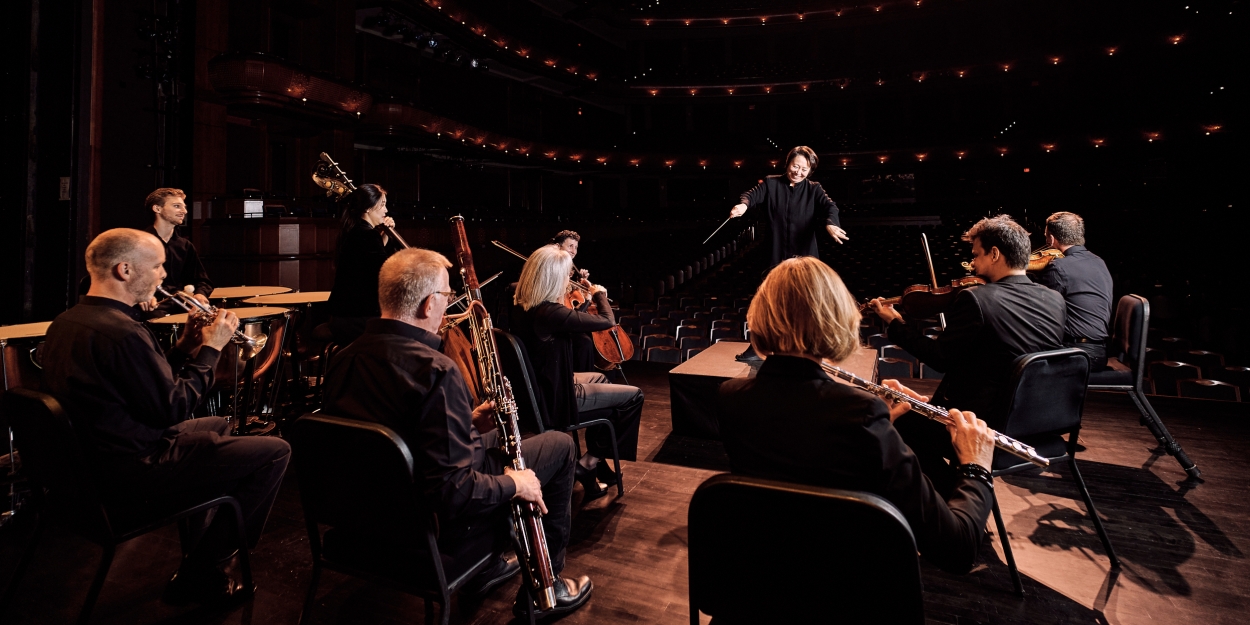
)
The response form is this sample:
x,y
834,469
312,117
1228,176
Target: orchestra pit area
x,y
692,251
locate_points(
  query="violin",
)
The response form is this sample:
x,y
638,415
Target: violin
x,y
922,300
1041,258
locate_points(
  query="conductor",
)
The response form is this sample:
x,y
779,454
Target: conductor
x,y
798,208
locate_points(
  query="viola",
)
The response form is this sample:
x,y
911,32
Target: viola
x,y
922,300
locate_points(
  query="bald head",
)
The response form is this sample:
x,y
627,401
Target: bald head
x,y
125,264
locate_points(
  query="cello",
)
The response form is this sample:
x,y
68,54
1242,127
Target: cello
x,y
610,349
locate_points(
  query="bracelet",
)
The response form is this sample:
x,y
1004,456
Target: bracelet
x,y
975,471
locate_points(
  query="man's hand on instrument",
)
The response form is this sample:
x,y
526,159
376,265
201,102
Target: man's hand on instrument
x,y
837,233
203,300
149,305
885,311
528,488
484,416
900,408
738,210
971,439
219,332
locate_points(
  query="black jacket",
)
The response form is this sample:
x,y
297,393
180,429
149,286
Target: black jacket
x,y
791,422
1081,277
548,330
357,260
394,375
987,327
122,393
797,214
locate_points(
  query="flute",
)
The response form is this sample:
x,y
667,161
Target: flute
x,y
937,413
182,297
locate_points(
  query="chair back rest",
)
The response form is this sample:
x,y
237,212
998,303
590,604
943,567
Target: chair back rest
x,y
355,475
825,551
515,361
1128,339
1048,393
54,460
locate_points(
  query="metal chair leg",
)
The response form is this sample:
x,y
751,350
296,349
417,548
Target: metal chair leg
x,y
1011,558
1093,513
106,561
1161,433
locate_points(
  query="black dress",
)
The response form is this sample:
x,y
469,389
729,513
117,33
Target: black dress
x,y
358,259
797,214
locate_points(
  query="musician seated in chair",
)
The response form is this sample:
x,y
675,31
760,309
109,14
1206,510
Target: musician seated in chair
x,y
583,345
547,327
792,422
987,328
132,408
394,375
1081,277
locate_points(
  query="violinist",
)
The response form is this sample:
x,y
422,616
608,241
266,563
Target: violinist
x,y
583,345
358,257
546,327
802,314
1081,277
987,327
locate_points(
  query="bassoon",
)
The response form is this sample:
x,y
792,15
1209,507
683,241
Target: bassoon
x,y
531,540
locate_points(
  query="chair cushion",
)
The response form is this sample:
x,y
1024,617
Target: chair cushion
x,y
1111,377
405,558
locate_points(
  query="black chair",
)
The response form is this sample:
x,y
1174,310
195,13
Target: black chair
x,y
1166,373
691,342
1237,376
1128,348
894,351
356,478
664,353
692,352
1208,389
723,333
690,330
893,368
1046,403
1209,362
826,551
877,341
929,373
652,328
62,487
657,340
515,360
1175,346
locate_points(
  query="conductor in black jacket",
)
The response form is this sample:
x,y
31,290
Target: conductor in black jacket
x,y
798,208
987,328
792,422
358,257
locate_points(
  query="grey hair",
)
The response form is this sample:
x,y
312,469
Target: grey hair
x,y
545,277
1067,228
113,247
407,278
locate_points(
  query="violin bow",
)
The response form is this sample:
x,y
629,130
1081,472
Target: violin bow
x,y
924,240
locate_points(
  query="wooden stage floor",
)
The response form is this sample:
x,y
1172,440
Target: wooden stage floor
x,y
1183,545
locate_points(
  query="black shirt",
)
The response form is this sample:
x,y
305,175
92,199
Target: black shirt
x,y
121,392
1081,277
791,422
394,375
987,328
358,260
797,214
182,265
548,330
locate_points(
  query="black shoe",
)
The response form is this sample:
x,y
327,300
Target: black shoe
x,y
505,567
203,585
571,594
605,474
588,481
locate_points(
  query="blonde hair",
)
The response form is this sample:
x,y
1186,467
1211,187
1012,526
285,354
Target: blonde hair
x,y
545,277
407,278
804,308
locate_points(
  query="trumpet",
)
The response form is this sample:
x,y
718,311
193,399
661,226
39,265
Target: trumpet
x,y
201,312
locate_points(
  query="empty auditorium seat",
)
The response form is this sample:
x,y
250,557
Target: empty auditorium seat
x,y
686,302
664,354
657,340
722,333
690,330
646,315
691,342
929,373
893,368
692,352
652,328
1208,389
877,340
1237,376
1209,362
1175,346
630,323
1166,373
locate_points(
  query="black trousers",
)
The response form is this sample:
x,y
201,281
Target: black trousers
x,y
551,456
1097,354
931,443
202,462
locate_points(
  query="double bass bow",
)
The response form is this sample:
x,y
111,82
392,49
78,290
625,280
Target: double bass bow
x,y
610,350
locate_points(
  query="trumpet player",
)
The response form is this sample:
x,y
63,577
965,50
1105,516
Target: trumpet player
x,y
132,408
802,314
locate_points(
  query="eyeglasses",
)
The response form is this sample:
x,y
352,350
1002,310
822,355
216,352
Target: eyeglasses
x,y
447,294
